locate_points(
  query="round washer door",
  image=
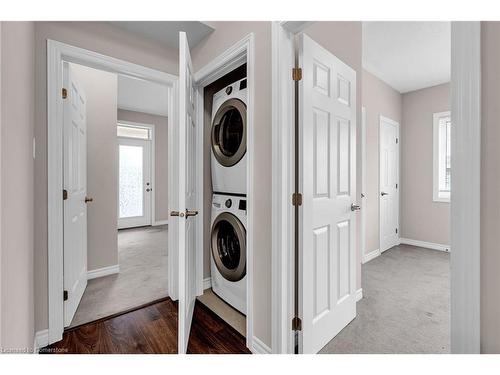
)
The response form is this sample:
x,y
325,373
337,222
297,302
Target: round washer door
x,y
229,246
229,129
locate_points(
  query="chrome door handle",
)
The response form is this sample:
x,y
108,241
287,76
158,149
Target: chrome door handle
x,y
384,193
191,213
355,207
88,200
174,213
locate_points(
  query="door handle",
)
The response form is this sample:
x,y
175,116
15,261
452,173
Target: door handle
x,y
355,207
384,193
177,213
87,199
191,213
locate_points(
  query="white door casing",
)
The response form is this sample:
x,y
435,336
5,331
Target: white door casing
x,y
327,180
363,182
75,185
389,183
143,147
187,194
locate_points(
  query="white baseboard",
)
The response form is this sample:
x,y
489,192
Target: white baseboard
x,y
105,271
160,222
41,340
427,245
371,255
207,283
359,294
258,347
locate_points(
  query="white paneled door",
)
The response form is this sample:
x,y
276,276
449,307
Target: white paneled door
x,y
327,175
389,183
74,194
186,216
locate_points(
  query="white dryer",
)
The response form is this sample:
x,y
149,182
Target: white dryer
x,y
228,249
229,139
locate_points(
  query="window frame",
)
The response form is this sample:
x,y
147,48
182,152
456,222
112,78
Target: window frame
x,y
438,196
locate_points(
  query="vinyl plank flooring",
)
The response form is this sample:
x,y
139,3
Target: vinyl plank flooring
x,y
151,329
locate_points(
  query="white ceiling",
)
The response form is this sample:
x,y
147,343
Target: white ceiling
x,y
142,96
167,32
408,55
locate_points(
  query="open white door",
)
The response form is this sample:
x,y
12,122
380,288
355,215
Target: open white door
x,y
327,180
389,178
75,190
187,215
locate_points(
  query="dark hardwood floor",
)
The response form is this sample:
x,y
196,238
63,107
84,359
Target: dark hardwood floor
x,y
151,330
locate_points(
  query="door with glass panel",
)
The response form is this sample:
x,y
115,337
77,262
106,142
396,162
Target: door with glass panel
x,y
134,176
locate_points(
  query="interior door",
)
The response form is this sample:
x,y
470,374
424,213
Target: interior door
x,y
134,182
327,180
389,179
186,215
74,195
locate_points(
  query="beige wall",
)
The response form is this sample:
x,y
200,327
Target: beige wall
x,y
344,40
379,99
102,165
95,36
17,116
161,162
421,218
490,186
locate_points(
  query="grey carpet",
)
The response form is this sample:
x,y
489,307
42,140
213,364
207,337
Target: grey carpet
x,y
142,254
405,306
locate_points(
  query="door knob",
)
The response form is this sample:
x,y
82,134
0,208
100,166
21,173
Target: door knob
x,y
355,207
191,213
174,213
87,199
384,193
148,190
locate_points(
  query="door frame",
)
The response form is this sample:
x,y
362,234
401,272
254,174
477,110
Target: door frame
x,y
57,53
465,218
238,54
389,121
152,202
363,183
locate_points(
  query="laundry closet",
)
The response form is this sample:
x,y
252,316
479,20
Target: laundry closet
x,y
225,198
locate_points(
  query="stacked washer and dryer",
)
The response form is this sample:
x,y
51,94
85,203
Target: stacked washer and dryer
x,y
229,203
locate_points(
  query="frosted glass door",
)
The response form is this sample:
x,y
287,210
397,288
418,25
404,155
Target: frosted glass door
x,y
134,185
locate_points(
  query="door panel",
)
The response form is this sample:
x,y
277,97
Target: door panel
x,y
75,184
327,179
186,171
134,186
389,179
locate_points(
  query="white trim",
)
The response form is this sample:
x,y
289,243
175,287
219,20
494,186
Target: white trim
x,y
104,271
426,245
466,197
236,55
359,294
283,176
383,119
371,255
258,347
58,52
363,197
207,283
41,340
160,222
436,195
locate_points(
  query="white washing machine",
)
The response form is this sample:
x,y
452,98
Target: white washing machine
x,y
229,139
228,249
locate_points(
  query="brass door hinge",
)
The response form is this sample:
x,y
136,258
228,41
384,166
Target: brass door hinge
x,y
297,74
296,324
65,194
297,199
64,93
65,295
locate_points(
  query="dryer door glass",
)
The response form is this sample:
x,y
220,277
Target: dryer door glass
x,y
229,132
229,246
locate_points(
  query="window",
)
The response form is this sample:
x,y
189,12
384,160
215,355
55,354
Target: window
x,y
442,157
133,131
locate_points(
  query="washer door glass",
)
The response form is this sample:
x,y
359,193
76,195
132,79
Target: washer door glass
x,y
229,132
229,246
